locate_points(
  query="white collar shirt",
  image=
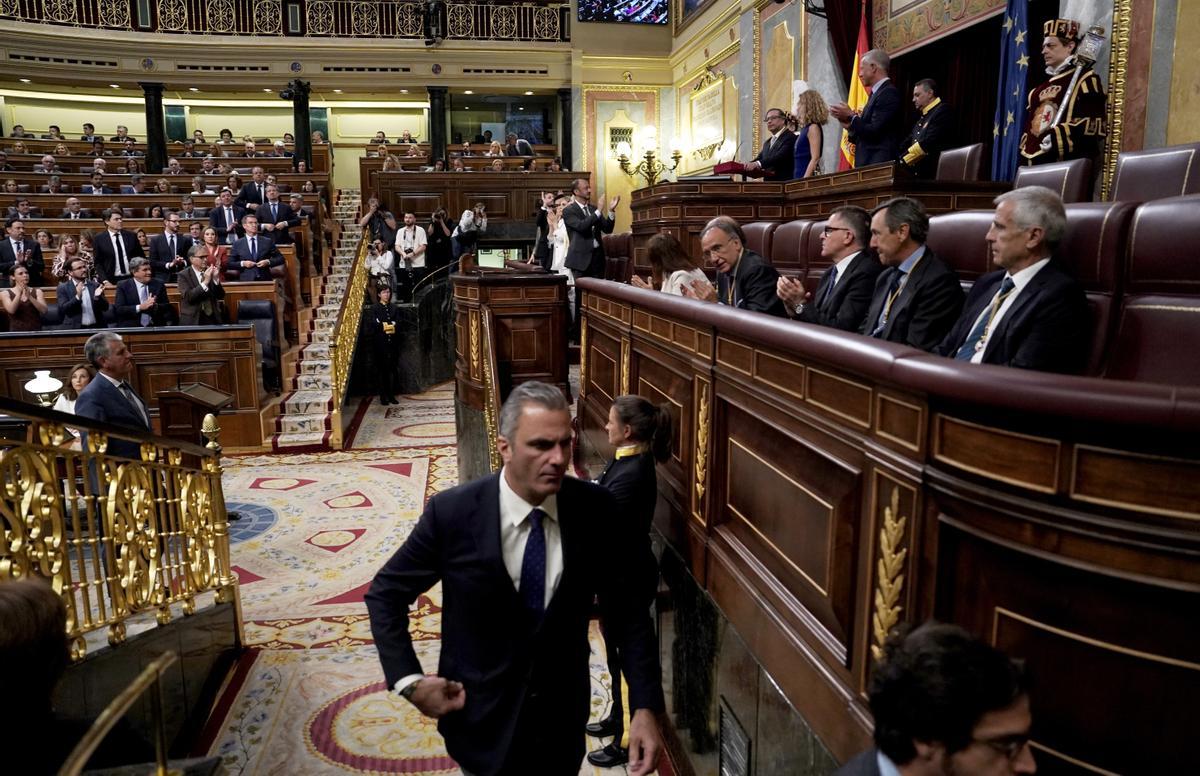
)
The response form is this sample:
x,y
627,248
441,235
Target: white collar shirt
x,y
1020,280
514,533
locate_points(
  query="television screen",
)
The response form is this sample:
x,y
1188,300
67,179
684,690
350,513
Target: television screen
x,y
495,257
630,11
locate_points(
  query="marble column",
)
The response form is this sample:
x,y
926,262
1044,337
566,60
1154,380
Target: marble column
x,y
437,121
564,151
156,128
302,120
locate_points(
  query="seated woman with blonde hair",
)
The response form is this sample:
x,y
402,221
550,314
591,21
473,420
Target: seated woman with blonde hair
x,y
495,149
391,163
671,268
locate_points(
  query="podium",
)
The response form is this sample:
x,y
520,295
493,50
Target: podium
x,y
181,411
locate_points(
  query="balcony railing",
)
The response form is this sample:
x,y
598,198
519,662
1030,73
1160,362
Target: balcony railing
x,y
311,18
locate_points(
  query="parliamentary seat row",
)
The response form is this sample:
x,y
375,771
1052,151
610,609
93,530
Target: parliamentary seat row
x,y
1136,262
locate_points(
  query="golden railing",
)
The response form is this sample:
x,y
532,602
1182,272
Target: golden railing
x,y
345,338
491,388
311,18
115,537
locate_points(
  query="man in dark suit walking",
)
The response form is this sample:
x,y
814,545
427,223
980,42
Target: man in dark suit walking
x,y
845,289
81,302
1030,313
946,703
17,250
115,249
110,398
917,298
933,133
169,250
254,255
777,156
142,300
745,280
876,132
521,556
225,218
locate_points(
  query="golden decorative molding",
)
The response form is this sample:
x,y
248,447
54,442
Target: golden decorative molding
x,y
889,573
701,436
1118,61
345,339
720,56
491,393
583,354
626,351
757,87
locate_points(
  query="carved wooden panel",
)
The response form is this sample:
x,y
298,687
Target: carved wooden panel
x,y
1006,456
1149,484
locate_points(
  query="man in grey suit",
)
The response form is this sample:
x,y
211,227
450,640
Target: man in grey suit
x,y
81,302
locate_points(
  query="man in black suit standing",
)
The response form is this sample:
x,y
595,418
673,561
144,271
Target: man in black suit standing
x,y
876,131
917,297
1030,313
541,244
109,397
845,289
745,280
81,302
521,556
254,192
169,250
254,255
115,249
933,133
17,250
586,225
275,217
946,703
777,157
225,218
142,300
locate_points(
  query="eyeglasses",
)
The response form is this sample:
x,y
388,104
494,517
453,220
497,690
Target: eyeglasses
x,y
1009,746
831,229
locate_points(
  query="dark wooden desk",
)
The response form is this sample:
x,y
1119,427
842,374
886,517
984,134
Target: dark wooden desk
x,y
823,487
225,357
683,208
508,196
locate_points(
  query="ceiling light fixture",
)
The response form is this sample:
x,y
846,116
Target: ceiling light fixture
x,y
529,93
193,89
26,81
468,91
115,86
337,91
404,91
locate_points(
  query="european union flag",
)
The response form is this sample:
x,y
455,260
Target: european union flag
x,y
1010,97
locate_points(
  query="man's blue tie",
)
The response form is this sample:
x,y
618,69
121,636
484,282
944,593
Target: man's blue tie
x,y
967,351
829,287
533,566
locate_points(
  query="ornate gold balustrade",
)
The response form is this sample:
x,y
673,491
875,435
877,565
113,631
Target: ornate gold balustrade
x,y
345,338
317,18
115,537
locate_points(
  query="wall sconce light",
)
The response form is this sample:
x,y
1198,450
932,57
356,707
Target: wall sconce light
x,y
44,388
650,167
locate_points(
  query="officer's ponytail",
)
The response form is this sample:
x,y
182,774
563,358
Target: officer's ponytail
x,y
649,424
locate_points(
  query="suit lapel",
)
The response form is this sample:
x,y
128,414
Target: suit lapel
x,y
487,536
1028,295
908,291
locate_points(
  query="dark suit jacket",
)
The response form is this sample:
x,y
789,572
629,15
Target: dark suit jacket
x,y
249,195
862,764
541,248
70,307
193,298
926,308
106,257
82,214
266,250
1047,328
633,482
216,219
90,189
780,159
755,286
846,305
8,260
582,229
161,256
935,131
126,304
512,667
101,400
284,212
876,133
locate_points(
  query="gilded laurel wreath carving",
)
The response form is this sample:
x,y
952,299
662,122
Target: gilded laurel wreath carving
x,y
172,15
474,344
220,16
890,574
583,351
626,349
701,447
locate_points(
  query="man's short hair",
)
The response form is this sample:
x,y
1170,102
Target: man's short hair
x,y
576,183
929,85
879,57
72,262
531,392
196,250
934,683
8,224
782,113
906,210
112,211
1038,206
98,346
727,225
137,263
33,639
248,216
858,221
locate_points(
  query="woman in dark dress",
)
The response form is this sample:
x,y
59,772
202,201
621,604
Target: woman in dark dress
x,y
384,343
811,115
641,434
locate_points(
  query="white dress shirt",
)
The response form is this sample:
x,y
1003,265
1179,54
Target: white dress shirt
x,y
413,238
842,267
1020,280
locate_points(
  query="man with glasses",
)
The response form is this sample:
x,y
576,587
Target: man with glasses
x,y
777,157
169,250
946,704
844,293
744,279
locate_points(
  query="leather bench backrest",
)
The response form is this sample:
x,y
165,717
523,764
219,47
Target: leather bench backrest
x,y
758,237
1157,173
1158,326
959,239
788,247
816,263
961,164
1071,179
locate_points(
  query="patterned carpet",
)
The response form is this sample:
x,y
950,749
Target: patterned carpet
x,y
309,697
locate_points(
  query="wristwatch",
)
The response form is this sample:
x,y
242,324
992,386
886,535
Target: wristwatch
x,y
798,309
407,692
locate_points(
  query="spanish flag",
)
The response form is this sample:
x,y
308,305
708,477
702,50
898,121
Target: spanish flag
x,y
857,99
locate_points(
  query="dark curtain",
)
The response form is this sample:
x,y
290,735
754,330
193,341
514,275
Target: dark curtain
x,y
966,66
844,17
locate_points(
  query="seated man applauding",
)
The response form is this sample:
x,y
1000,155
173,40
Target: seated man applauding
x,y
254,255
142,300
744,279
845,290
200,290
1030,313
